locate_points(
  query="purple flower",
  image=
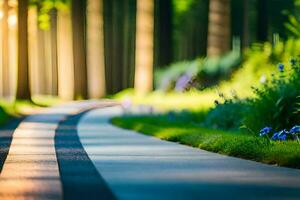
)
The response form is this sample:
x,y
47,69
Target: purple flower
x,y
265,131
281,67
182,82
294,130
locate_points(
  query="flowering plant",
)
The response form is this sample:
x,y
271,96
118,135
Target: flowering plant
x,y
277,101
292,134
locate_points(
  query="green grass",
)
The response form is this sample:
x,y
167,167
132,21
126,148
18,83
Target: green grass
x,y
17,108
237,144
4,116
192,100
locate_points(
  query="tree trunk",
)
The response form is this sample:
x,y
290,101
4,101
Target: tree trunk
x,y
144,46
117,45
33,51
129,43
5,50
163,33
245,36
53,21
262,20
108,50
23,88
79,49
42,80
95,49
65,56
219,28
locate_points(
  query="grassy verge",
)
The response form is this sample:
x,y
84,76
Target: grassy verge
x,y
192,100
11,109
237,144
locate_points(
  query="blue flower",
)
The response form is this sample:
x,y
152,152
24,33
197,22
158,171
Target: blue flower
x,y
294,130
281,67
275,136
281,135
265,131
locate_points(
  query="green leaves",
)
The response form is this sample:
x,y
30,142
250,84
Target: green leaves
x,y
44,8
293,26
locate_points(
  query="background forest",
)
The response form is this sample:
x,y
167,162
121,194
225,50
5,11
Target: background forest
x,y
227,69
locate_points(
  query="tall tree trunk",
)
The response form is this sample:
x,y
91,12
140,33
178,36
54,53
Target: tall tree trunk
x,y
262,20
79,49
23,86
95,49
53,21
117,45
42,80
129,43
48,61
108,50
144,46
219,27
245,36
33,50
65,56
163,33
5,50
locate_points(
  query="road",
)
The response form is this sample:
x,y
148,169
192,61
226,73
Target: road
x,y
73,152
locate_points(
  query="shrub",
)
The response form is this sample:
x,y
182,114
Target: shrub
x,y
204,72
276,103
226,116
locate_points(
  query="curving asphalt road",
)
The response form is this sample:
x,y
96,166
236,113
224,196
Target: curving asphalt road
x,y
73,152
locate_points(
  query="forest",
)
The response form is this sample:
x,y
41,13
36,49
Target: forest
x,y
221,75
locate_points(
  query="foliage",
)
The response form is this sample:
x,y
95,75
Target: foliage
x,y
293,26
200,71
170,101
276,104
182,6
226,116
45,6
3,116
293,23
258,65
231,143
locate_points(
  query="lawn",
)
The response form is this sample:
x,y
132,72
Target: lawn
x,y
233,143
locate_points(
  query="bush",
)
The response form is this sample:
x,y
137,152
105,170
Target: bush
x,y
276,103
226,116
203,72
258,65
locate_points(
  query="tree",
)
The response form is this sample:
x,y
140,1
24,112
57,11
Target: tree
x,y
79,49
53,30
219,36
163,33
245,37
23,88
144,46
262,20
129,43
95,49
5,50
65,55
